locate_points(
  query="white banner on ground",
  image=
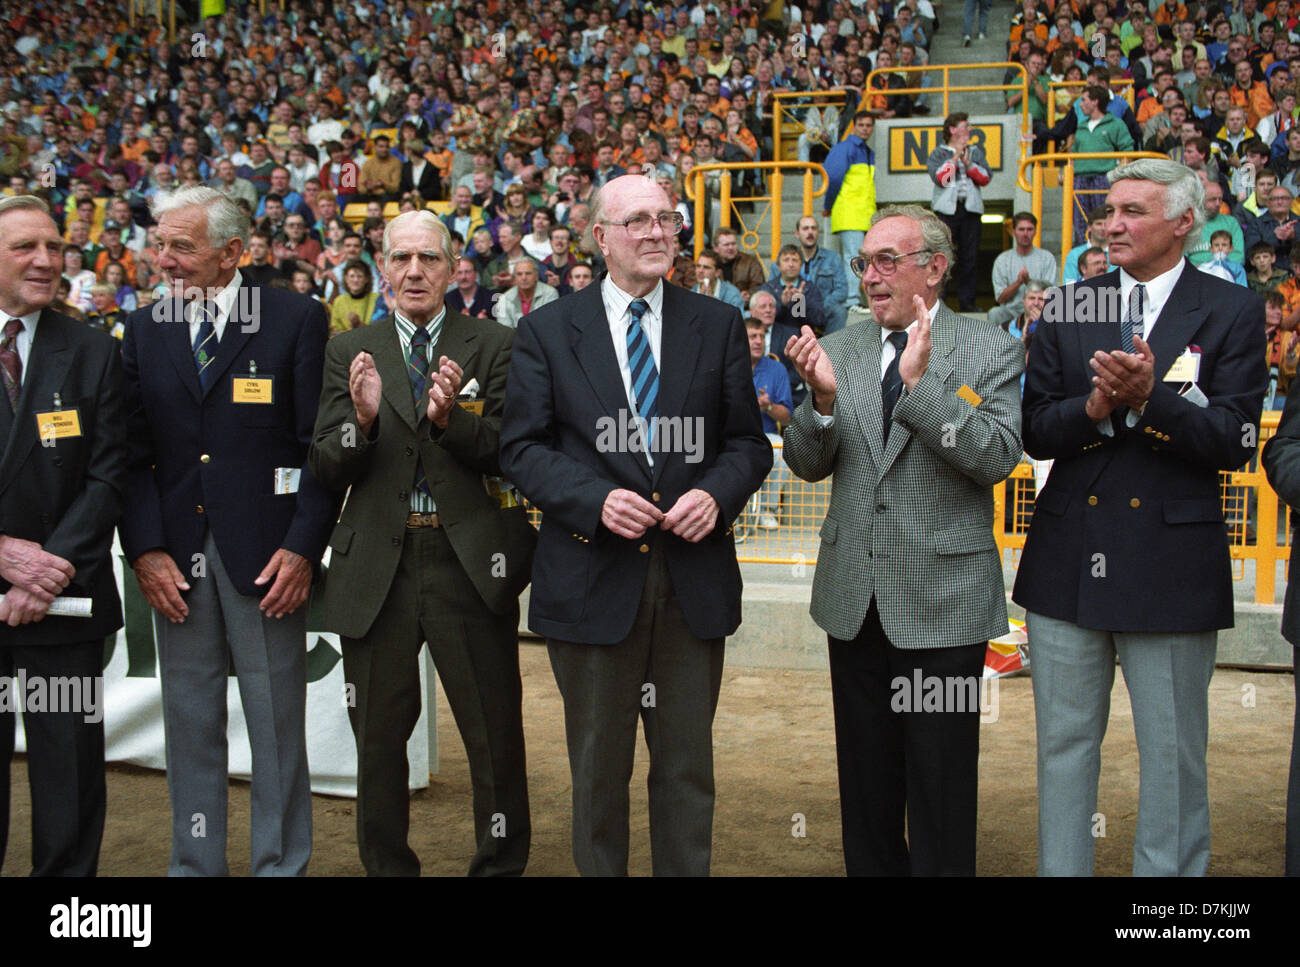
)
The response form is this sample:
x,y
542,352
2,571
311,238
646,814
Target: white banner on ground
x,y
133,723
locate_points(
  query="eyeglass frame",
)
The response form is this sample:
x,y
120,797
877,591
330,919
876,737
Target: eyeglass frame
x,y
676,217
893,262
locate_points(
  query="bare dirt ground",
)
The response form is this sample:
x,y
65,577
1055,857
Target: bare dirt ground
x,y
775,756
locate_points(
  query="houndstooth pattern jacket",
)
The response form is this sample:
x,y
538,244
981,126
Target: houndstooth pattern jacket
x,y
912,522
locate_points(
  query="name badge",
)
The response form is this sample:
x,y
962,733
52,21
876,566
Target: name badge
x,y
253,389
58,424
1186,368
471,406
969,395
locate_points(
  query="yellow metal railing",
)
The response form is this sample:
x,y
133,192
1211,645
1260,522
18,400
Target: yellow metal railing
x,y
749,238
947,88
1125,83
785,104
800,507
1033,183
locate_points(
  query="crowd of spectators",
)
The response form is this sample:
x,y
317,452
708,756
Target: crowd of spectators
x,y
326,119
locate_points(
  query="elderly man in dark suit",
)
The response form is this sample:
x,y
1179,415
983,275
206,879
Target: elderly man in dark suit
x,y
1281,461
1143,383
432,546
916,414
224,527
631,422
63,438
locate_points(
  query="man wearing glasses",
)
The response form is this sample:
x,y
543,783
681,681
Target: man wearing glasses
x,y
635,583
916,412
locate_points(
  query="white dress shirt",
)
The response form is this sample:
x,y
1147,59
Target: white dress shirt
x,y
225,300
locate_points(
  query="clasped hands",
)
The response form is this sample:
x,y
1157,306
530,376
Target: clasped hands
x,y
1122,379
814,366
366,387
36,576
630,515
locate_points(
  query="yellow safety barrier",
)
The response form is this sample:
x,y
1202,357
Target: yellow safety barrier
x,y
1252,533
947,87
785,104
1125,83
1068,194
749,239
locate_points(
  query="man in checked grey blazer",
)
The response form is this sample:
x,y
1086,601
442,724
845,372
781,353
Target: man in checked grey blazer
x,y
917,414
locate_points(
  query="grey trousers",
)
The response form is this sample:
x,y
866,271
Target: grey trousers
x,y
270,659
1168,680
668,677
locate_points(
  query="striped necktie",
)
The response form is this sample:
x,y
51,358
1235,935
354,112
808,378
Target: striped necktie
x,y
641,363
1132,324
11,364
205,341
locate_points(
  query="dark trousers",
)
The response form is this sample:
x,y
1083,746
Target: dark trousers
x,y
476,653
65,762
668,677
1293,787
922,766
965,228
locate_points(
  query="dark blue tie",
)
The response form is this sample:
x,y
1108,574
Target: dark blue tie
x,y
891,387
205,342
641,363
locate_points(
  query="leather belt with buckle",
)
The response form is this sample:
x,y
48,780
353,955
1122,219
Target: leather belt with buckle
x,y
422,520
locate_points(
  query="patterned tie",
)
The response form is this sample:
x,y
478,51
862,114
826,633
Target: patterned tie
x,y
205,342
641,363
1133,318
417,367
10,362
891,387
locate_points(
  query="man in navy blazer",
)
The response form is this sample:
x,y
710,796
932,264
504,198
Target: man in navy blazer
x,y
60,498
224,525
635,581
1142,385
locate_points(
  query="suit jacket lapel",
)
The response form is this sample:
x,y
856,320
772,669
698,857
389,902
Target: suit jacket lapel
x,y
176,337
679,353
942,343
245,319
594,348
866,398
1182,315
386,349
1097,316
47,366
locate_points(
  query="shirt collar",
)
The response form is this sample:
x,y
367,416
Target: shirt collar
x,y
431,327
910,330
1158,289
621,299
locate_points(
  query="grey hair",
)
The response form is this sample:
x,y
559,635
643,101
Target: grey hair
x,y
23,202
425,219
934,233
1183,190
226,220
1037,285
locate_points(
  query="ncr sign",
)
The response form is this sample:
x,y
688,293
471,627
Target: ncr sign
x,y
909,147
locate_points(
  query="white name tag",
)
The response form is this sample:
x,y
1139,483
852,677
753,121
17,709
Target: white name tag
x,y
286,479
1186,368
